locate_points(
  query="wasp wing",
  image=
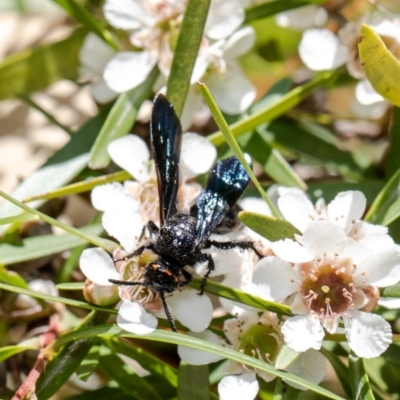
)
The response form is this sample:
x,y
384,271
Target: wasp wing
x,y
227,181
166,138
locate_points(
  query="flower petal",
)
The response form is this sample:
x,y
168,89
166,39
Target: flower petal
x,y
243,387
303,332
291,251
347,208
125,224
275,279
198,357
101,92
380,269
132,317
391,303
224,17
321,49
369,335
302,18
310,365
256,205
131,154
366,94
112,195
128,69
241,42
297,209
197,155
324,238
192,310
370,112
123,14
97,265
232,91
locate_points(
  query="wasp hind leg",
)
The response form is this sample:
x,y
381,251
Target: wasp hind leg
x,y
210,267
241,244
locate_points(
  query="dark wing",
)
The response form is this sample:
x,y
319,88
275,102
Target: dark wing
x,y
227,181
166,137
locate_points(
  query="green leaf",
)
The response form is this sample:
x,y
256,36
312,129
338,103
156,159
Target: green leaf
x,y
193,382
71,286
17,218
185,53
105,393
9,351
386,207
76,11
88,364
126,377
241,297
12,278
233,144
286,357
380,65
198,344
120,120
106,244
269,227
56,299
391,291
44,245
283,391
272,111
341,370
34,69
65,363
269,8
359,381
393,151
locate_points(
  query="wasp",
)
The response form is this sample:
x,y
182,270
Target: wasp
x,y
181,237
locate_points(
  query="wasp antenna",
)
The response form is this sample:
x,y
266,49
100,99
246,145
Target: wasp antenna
x,y
167,313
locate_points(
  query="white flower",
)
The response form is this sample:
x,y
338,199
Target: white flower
x,y
333,272
191,310
258,337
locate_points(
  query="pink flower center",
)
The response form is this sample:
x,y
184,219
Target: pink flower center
x,y
328,291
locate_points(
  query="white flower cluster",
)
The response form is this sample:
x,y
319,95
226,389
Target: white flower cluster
x,y
153,26
329,275
321,49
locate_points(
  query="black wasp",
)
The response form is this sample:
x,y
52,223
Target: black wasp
x,y
181,237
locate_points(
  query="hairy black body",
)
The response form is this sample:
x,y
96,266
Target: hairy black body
x,y
179,241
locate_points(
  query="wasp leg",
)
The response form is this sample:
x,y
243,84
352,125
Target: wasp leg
x,y
138,251
167,312
152,227
210,267
241,244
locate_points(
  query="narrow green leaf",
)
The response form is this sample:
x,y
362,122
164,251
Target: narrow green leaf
x,y
126,377
193,382
105,393
391,291
241,297
9,351
381,67
233,144
156,367
286,357
198,344
185,53
120,120
359,381
64,364
81,187
386,207
36,68
269,8
106,244
269,227
341,370
88,364
12,278
44,245
71,286
56,299
393,151
76,11
272,111
17,218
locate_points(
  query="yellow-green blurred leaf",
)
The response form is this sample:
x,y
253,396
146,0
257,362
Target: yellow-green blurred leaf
x,y
381,67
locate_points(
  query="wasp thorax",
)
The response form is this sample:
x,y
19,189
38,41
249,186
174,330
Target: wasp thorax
x,y
328,291
262,341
